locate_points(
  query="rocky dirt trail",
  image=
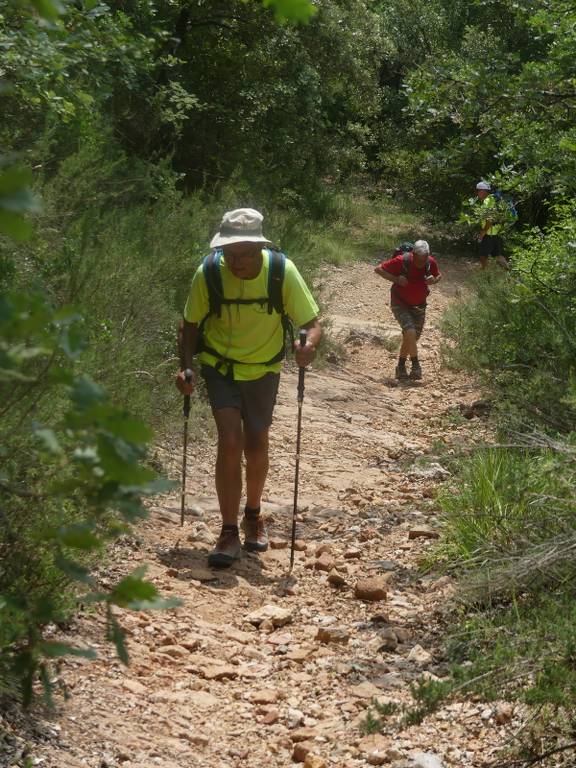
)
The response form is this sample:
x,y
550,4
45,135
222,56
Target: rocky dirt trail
x,y
246,674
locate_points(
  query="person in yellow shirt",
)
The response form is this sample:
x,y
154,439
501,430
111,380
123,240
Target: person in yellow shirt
x,y
238,334
490,236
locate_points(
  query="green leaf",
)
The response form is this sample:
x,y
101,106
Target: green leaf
x,y
73,569
86,393
127,427
13,180
49,440
292,10
54,650
79,536
13,225
48,9
72,341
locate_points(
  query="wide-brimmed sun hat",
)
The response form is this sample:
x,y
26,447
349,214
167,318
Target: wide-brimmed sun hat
x,y
243,225
483,185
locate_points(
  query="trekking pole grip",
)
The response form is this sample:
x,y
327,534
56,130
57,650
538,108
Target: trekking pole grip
x,y
188,378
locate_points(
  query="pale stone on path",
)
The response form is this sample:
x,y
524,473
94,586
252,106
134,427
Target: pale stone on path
x,y
426,760
365,690
313,761
325,562
299,654
419,655
134,687
175,651
302,734
278,543
265,696
375,749
270,716
274,613
203,699
225,672
300,545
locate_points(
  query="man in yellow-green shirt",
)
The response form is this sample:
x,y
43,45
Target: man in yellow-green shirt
x,y
239,338
490,236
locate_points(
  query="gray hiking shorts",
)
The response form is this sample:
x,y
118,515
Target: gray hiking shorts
x,y
410,318
254,399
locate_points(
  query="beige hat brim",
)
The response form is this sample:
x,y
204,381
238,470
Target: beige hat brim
x,y
220,240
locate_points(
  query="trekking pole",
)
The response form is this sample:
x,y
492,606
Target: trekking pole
x,y
301,372
186,413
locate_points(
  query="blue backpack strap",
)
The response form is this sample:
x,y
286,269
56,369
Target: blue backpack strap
x,y
276,270
213,278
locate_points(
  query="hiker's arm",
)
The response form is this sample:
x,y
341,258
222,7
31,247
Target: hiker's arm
x,y
433,279
396,279
485,229
305,355
187,334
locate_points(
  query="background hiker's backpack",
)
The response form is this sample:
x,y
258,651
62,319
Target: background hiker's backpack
x,y
504,197
272,301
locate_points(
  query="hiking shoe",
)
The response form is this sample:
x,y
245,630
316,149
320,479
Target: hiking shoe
x,y
401,372
255,534
227,550
416,372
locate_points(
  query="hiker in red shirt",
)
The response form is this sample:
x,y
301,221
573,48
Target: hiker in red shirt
x,y
411,270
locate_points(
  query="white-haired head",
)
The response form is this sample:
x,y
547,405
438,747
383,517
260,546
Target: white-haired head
x,y
484,185
421,248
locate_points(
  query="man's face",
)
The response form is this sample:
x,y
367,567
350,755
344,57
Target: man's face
x,y
482,194
244,260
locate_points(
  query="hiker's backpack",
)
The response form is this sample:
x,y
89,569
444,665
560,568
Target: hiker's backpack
x,y
506,198
273,302
404,250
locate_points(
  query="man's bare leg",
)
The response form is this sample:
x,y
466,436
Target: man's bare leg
x,y
256,453
229,463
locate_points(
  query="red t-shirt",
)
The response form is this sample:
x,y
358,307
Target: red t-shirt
x,y
416,291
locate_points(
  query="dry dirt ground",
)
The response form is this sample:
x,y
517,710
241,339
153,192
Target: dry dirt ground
x,y
214,684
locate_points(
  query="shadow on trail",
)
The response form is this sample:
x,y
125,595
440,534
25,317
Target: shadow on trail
x,y
191,564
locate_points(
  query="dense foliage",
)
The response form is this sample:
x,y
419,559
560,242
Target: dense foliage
x,y
128,125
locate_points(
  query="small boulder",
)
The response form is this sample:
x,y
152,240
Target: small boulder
x,y
313,761
423,533
301,750
374,748
273,613
336,579
325,562
373,589
333,635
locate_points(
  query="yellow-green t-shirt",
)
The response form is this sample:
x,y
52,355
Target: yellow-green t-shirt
x,y
246,332
489,208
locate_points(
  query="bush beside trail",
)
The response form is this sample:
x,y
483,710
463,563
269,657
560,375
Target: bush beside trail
x,y
510,528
